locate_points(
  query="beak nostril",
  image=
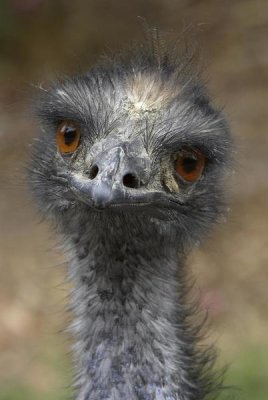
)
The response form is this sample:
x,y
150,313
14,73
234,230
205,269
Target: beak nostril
x,y
131,181
93,172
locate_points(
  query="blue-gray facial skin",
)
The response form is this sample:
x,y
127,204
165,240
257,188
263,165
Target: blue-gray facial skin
x,y
129,167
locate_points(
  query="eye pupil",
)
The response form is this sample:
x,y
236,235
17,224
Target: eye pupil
x,y
69,135
189,164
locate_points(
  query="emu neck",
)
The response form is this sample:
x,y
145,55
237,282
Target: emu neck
x,y
131,343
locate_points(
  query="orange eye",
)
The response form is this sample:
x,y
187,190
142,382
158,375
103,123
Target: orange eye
x,y
189,164
68,137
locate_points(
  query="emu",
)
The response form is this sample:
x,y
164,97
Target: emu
x,y
129,166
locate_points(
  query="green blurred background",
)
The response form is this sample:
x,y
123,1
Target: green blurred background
x,y
43,38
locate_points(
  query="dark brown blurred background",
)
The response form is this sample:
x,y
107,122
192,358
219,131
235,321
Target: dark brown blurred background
x,y
43,38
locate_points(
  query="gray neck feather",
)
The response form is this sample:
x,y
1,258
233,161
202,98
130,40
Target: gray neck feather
x,y
130,325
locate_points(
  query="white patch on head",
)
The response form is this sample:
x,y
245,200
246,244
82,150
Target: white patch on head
x,y
147,94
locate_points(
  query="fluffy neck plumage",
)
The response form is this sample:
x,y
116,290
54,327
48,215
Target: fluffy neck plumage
x,y
133,340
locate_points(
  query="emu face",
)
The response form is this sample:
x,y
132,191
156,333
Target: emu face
x,y
131,141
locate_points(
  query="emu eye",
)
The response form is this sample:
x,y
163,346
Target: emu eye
x,y
189,164
68,137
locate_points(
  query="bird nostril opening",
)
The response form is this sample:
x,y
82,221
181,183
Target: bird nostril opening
x,y
131,181
93,172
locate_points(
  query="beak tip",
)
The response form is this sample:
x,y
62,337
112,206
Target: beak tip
x,y
101,196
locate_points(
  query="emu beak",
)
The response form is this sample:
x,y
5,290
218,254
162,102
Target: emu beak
x,y
117,176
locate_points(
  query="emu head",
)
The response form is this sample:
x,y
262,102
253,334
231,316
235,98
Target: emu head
x,y
136,137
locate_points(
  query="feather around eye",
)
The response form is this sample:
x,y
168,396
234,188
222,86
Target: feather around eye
x,y
68,137
190,164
